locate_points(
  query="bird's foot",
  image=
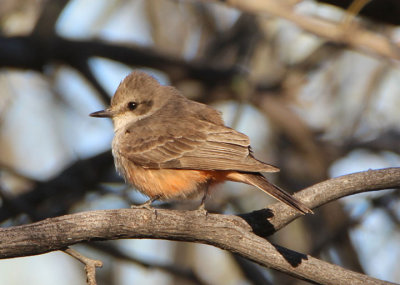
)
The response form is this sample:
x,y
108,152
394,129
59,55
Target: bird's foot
x,y
202,210
145,205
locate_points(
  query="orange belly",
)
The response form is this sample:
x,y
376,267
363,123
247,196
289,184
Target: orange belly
x,y
170,183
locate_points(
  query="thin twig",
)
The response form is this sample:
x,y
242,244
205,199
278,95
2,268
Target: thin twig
x,y
353,10
90,264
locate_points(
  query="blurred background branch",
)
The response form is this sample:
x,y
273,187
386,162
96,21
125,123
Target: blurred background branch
x,y
313,83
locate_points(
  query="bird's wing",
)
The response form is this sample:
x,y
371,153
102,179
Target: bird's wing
x,y
189,144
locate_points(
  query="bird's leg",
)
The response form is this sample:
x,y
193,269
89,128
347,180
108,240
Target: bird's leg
x,y
147,204
202,206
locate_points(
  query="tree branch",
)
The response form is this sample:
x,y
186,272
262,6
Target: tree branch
x,y
63,190
357,38
90,265
386,11
226,232
184,273
233,233
34,53
333,189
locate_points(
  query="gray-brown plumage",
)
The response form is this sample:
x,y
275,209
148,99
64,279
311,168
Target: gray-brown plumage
x,y
168,146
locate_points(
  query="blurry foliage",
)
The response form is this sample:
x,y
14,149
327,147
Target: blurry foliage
x,y
322,104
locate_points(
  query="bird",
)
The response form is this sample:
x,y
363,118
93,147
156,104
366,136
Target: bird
x,y
170,147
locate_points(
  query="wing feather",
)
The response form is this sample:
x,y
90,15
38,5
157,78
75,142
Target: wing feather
x,y
189,144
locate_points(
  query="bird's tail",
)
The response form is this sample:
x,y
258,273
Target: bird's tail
x,y
259,181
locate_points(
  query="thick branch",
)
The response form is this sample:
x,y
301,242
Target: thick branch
x,y
241,235
226,232
332,189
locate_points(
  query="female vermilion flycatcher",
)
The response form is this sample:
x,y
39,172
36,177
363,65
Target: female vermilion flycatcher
x,y
168,146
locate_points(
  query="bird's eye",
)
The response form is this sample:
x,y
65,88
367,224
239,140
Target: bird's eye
x,y
132,106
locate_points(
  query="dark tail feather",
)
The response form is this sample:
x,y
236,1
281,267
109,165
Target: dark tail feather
x,y
261,182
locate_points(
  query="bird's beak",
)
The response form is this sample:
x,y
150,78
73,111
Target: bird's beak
x,y
107,113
